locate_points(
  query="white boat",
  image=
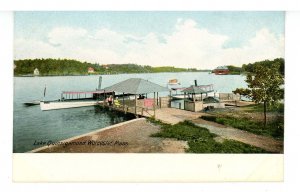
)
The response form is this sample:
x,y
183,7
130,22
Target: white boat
x,y
173,82
73,99
52,105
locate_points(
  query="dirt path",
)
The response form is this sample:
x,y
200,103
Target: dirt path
x,y
129,137
173,116
225,132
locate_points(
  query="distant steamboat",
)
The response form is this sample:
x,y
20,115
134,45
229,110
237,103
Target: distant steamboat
x,y
221,70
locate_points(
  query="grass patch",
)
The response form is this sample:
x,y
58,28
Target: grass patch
x,y
200,140
279,107
274,129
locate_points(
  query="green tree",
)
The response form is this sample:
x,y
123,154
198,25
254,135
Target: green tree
x,y
264,86
243,92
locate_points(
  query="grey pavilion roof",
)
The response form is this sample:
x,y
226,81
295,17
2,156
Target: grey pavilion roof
x,y
193,89
136,86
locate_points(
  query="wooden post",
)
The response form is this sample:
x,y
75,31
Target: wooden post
x,y
135,104
157,98
154,105
104,98
123,103
160,102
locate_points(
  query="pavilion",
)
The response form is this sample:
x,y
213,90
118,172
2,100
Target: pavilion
x,y
137,86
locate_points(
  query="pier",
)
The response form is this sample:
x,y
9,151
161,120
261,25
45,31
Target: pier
x,y
133,98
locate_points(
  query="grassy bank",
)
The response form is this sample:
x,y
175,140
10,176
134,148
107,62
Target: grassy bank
x,y
273,129
279,108
200,140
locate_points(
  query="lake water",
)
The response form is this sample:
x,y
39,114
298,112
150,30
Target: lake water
x,y
31,124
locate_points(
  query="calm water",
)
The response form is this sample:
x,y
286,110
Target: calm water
x,y
31,124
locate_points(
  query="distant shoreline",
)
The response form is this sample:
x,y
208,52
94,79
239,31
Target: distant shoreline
x,y
110,74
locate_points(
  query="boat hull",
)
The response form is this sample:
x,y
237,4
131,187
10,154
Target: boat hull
x,y
31,103
45,106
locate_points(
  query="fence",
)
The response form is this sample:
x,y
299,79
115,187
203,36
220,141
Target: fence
x,y
229,96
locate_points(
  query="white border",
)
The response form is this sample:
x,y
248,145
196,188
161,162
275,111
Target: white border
x,y
141,5
292,127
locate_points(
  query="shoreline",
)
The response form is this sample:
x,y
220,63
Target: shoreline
x,y
83,135
109,74
133,136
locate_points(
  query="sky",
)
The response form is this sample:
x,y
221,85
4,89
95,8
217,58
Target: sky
x,y
202,40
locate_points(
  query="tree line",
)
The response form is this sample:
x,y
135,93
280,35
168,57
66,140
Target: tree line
x,y
48,67
250,67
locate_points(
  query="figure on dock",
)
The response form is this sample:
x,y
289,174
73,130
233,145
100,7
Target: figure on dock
x,y
110,100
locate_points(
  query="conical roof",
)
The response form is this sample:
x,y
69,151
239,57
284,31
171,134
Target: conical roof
x,y
136,86
193,89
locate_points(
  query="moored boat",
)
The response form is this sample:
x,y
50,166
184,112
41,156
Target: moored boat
x,y
221,70
31,103
73,99
173,82
52,105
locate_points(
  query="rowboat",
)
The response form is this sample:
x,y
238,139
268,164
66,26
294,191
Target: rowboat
x,y
173,82
31,103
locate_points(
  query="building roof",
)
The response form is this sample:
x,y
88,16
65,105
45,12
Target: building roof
x,y
136,86
222,67
194,89
84,92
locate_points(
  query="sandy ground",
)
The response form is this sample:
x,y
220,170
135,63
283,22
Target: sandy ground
x,y
132,137
174,116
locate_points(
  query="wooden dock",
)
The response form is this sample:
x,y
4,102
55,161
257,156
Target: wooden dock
x,y
166,115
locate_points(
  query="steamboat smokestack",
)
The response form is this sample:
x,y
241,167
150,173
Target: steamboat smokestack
x,y
100,82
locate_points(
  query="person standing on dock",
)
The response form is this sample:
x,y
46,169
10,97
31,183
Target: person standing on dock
x,y
110,100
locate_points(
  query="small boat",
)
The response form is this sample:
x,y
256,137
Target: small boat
x,y
31,103
173,82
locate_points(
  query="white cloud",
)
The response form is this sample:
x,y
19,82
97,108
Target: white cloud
x,y
188,46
